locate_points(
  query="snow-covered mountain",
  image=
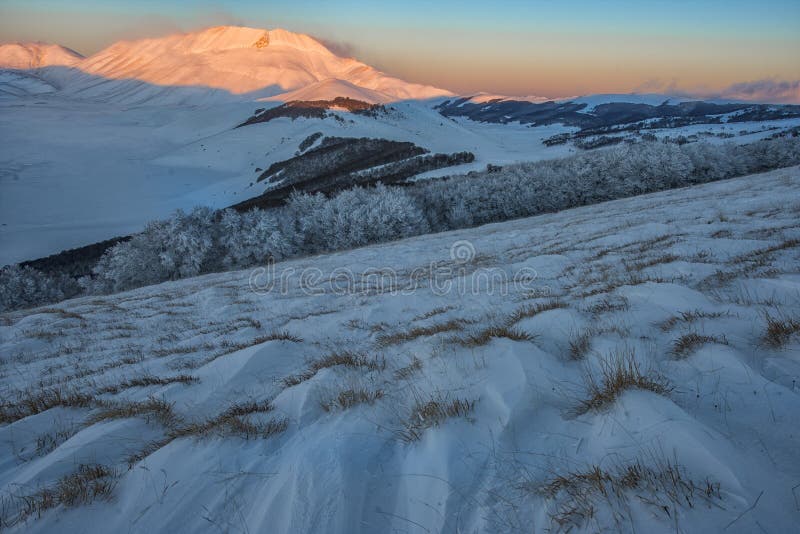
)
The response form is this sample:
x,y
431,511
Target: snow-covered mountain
x,y
332,88
225,61
36,55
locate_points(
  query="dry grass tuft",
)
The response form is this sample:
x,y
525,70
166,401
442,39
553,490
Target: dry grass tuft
x,y
580,342
64,314
754,263
579,495
433,413
608,304
387,340
758,256
688,343
85,486
158,409
405,372
484,336
170,351
779,331
229,347
277,336
233,422
579,345
689,317
352,397
344,358
234,426
532,310
651,262
34,402
247,408
434,312
632,279
299,378
618,374
45,335
147,381
348,359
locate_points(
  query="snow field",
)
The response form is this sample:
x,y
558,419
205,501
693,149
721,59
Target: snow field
x,y
643,380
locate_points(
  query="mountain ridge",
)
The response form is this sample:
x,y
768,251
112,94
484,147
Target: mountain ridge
x,y
243,62
35,55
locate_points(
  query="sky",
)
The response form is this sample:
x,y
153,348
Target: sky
x,y
551,48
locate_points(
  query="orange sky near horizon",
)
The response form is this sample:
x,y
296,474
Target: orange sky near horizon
x,y
532,48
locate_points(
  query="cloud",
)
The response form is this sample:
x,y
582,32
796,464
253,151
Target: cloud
x,y
657,85
214,17
340,48
766,90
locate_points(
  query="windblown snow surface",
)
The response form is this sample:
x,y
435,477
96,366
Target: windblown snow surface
x,y
411,402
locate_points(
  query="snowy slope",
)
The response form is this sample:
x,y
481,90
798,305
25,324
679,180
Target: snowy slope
x,y
15,84
178,377
332,88
74,172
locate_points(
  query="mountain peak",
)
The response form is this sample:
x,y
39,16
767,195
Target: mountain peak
x,y
223,38
223,61
36,55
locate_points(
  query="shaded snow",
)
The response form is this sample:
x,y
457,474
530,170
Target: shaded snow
x,y
72,173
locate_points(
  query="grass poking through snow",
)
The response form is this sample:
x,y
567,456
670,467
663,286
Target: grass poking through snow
x,y
352,397
619,373
688,343
532,310
433,412
343,358
86,485
580,496
484,336
35,402
387,340
779,331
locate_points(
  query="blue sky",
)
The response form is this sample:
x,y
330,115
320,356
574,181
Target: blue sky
x,y
550,48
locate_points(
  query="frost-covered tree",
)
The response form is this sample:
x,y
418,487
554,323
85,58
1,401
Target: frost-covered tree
x,y
354,217
170,249
187,244
251,238
23,287
184,241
